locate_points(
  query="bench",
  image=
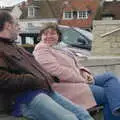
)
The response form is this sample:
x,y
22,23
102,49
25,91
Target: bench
x,y
96,112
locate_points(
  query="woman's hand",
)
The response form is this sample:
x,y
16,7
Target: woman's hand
x,y
88,77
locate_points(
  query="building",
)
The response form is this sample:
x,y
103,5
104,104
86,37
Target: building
x,y
75,13
79,13
34,13
109,10
106,29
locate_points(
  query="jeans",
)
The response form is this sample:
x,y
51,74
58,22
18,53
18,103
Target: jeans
x,y
79,111
42,107
106,92
55,107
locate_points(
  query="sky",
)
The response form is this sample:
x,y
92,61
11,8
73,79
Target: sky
x,y
9,2
4,3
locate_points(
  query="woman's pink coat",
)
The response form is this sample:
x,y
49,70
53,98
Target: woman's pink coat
x,y
72,85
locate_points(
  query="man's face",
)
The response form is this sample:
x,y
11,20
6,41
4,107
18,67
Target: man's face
x,y
14,30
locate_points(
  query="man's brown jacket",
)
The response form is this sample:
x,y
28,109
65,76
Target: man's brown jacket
x,y
19,71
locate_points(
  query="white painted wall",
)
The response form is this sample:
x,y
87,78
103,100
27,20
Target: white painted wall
x,y
35,22
101,64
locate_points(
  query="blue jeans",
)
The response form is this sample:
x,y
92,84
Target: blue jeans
x,y
106,91
79,111
55,107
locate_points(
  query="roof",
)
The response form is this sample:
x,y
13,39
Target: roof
x,y
45,9
112,8
6,9
109,8
81,5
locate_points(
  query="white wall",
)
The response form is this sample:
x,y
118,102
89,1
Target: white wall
x,y
101,64
109,44
35,22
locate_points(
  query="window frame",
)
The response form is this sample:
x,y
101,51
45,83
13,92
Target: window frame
x,y
67,13
80,15
83,14
32,8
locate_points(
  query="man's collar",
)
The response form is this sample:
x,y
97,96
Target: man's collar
x,y
6,40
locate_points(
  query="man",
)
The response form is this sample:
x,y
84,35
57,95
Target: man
x,y
27,84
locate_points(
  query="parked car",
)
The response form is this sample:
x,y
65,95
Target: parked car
x,y
73,39
76,40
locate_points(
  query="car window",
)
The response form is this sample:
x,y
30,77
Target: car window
x,y
71,36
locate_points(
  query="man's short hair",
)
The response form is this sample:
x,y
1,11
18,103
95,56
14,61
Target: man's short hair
x,y
5,16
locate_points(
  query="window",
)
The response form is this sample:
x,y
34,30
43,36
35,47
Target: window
x,y
75,15
75,37
29,40
109,0
82,14
68,15
31,11
71,36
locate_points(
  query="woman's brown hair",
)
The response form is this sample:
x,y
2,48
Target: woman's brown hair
x,y
52,26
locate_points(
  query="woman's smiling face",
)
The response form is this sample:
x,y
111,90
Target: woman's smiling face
x,y
50,37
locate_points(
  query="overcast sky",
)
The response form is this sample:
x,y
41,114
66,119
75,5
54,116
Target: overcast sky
x,y
13,2
10,2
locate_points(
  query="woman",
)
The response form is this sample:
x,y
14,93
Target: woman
x,y
75,81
